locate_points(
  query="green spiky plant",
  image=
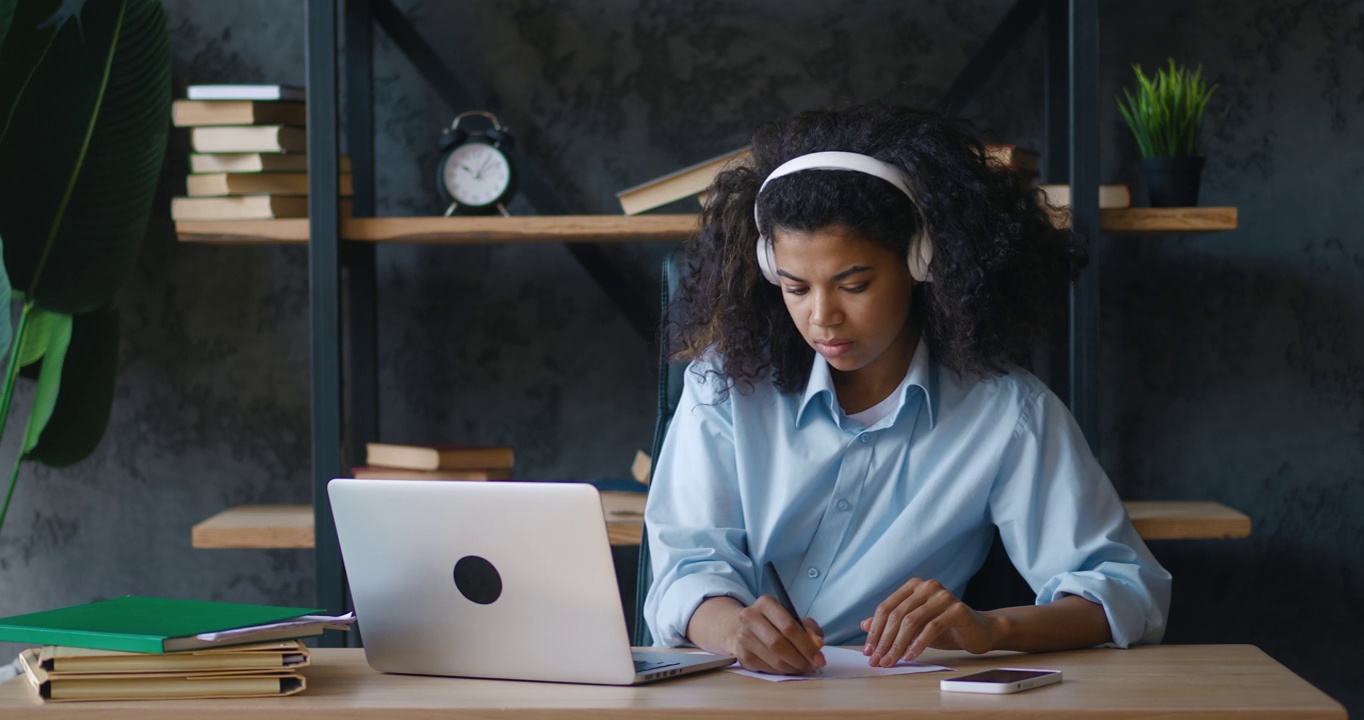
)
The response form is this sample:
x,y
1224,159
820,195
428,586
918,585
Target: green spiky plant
x,y
84,115
1167,112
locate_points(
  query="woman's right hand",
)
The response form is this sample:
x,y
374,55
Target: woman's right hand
x,y
769,640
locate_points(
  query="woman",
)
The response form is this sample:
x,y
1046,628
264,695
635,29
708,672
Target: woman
x,y
858,309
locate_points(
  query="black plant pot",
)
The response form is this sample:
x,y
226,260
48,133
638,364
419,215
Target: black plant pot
x,y
1173,181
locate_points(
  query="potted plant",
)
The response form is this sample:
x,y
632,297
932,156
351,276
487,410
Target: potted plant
x,y
84,116
1166,116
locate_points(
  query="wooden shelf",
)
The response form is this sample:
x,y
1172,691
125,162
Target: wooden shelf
x,y
1167,221
291,526
1187,520
610,228
257,526
452,230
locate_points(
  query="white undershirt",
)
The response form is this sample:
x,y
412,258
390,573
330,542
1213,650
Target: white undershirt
x,y
873,414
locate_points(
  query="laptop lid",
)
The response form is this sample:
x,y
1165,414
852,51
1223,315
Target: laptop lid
x,y
494,580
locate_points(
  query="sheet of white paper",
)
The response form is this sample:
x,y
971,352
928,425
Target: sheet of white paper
x,y
843,663
330,622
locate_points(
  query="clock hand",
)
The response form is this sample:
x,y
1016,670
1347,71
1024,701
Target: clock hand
x,y
466,168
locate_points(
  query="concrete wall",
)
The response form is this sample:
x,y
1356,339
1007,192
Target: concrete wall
x,y
1232,364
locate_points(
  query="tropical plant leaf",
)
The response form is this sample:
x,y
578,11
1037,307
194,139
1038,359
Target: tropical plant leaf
x,y
6,17
22,47
100,101
36,341
49,378
6,293
86,398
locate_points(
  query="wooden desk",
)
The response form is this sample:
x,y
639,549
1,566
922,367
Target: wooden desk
x,y
1183,681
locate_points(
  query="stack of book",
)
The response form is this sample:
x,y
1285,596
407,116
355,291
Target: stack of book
x,y
693,181
144,648
250,153
388,461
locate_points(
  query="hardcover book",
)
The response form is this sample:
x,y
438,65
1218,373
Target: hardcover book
x,y
67,687
192,113
254,162
438,457
157,625
245,92
279,183
374,472
245,207
248,138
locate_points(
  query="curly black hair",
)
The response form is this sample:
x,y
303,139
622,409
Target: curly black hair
x,y
998,266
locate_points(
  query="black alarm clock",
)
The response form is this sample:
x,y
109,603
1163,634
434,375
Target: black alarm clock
x,y
474,174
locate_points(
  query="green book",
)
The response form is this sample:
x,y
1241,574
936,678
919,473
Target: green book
x,y
155,625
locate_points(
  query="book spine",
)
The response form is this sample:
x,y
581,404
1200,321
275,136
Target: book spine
x,y
82,639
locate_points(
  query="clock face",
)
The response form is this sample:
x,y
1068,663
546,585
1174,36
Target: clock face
x,y
476,174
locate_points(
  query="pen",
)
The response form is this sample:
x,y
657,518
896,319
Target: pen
x,y
773,581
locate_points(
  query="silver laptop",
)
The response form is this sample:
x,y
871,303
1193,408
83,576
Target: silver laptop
x,y
510,580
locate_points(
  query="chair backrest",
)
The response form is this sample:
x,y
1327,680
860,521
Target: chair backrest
x,y
669,392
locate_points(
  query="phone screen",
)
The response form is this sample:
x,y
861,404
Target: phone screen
x,y
1003,676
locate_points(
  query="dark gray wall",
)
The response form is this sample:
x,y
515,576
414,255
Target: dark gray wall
x,y
1233,364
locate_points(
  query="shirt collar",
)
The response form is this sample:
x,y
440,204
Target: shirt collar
x,y
922,374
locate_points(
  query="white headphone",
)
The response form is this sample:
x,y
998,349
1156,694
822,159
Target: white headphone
x,y
920,246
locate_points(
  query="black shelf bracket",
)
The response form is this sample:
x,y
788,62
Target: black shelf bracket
x,y
634,306
1006,36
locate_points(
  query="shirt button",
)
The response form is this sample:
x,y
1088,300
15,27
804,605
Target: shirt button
x,y
812,572
844,504
865,438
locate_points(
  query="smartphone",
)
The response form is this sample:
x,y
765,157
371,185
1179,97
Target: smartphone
x,y
1001,681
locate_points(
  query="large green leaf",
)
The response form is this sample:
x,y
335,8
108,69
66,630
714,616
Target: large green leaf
x,y
22,46
101,222
6,292
6,17
58,337
38,338
82,407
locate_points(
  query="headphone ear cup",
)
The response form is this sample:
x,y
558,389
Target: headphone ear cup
x,y
919,256
766,262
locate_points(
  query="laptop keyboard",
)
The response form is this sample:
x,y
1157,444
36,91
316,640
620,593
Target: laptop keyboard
x,y
651,665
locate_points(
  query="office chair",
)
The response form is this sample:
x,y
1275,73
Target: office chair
x,y
996,584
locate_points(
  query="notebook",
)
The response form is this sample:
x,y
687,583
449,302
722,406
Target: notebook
x,y
492,580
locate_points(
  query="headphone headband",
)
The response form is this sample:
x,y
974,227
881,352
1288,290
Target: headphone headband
x,y
920,247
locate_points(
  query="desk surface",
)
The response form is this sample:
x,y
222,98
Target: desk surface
x,y
1166,681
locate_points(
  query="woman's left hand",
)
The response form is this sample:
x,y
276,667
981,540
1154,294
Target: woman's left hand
x,y
920,615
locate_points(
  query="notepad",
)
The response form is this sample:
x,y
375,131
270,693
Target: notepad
x,y
844,663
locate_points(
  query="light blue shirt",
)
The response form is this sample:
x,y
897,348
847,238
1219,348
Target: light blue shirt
x,y
848,513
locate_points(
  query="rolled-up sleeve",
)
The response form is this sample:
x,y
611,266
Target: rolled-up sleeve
x,y
697,542
1066,530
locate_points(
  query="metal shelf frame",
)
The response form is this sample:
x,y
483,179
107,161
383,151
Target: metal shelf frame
x,y
341,274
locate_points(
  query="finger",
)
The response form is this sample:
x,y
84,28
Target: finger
x,y
878,620
893,618
796,637
912,627
756,654
816,634
776,633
